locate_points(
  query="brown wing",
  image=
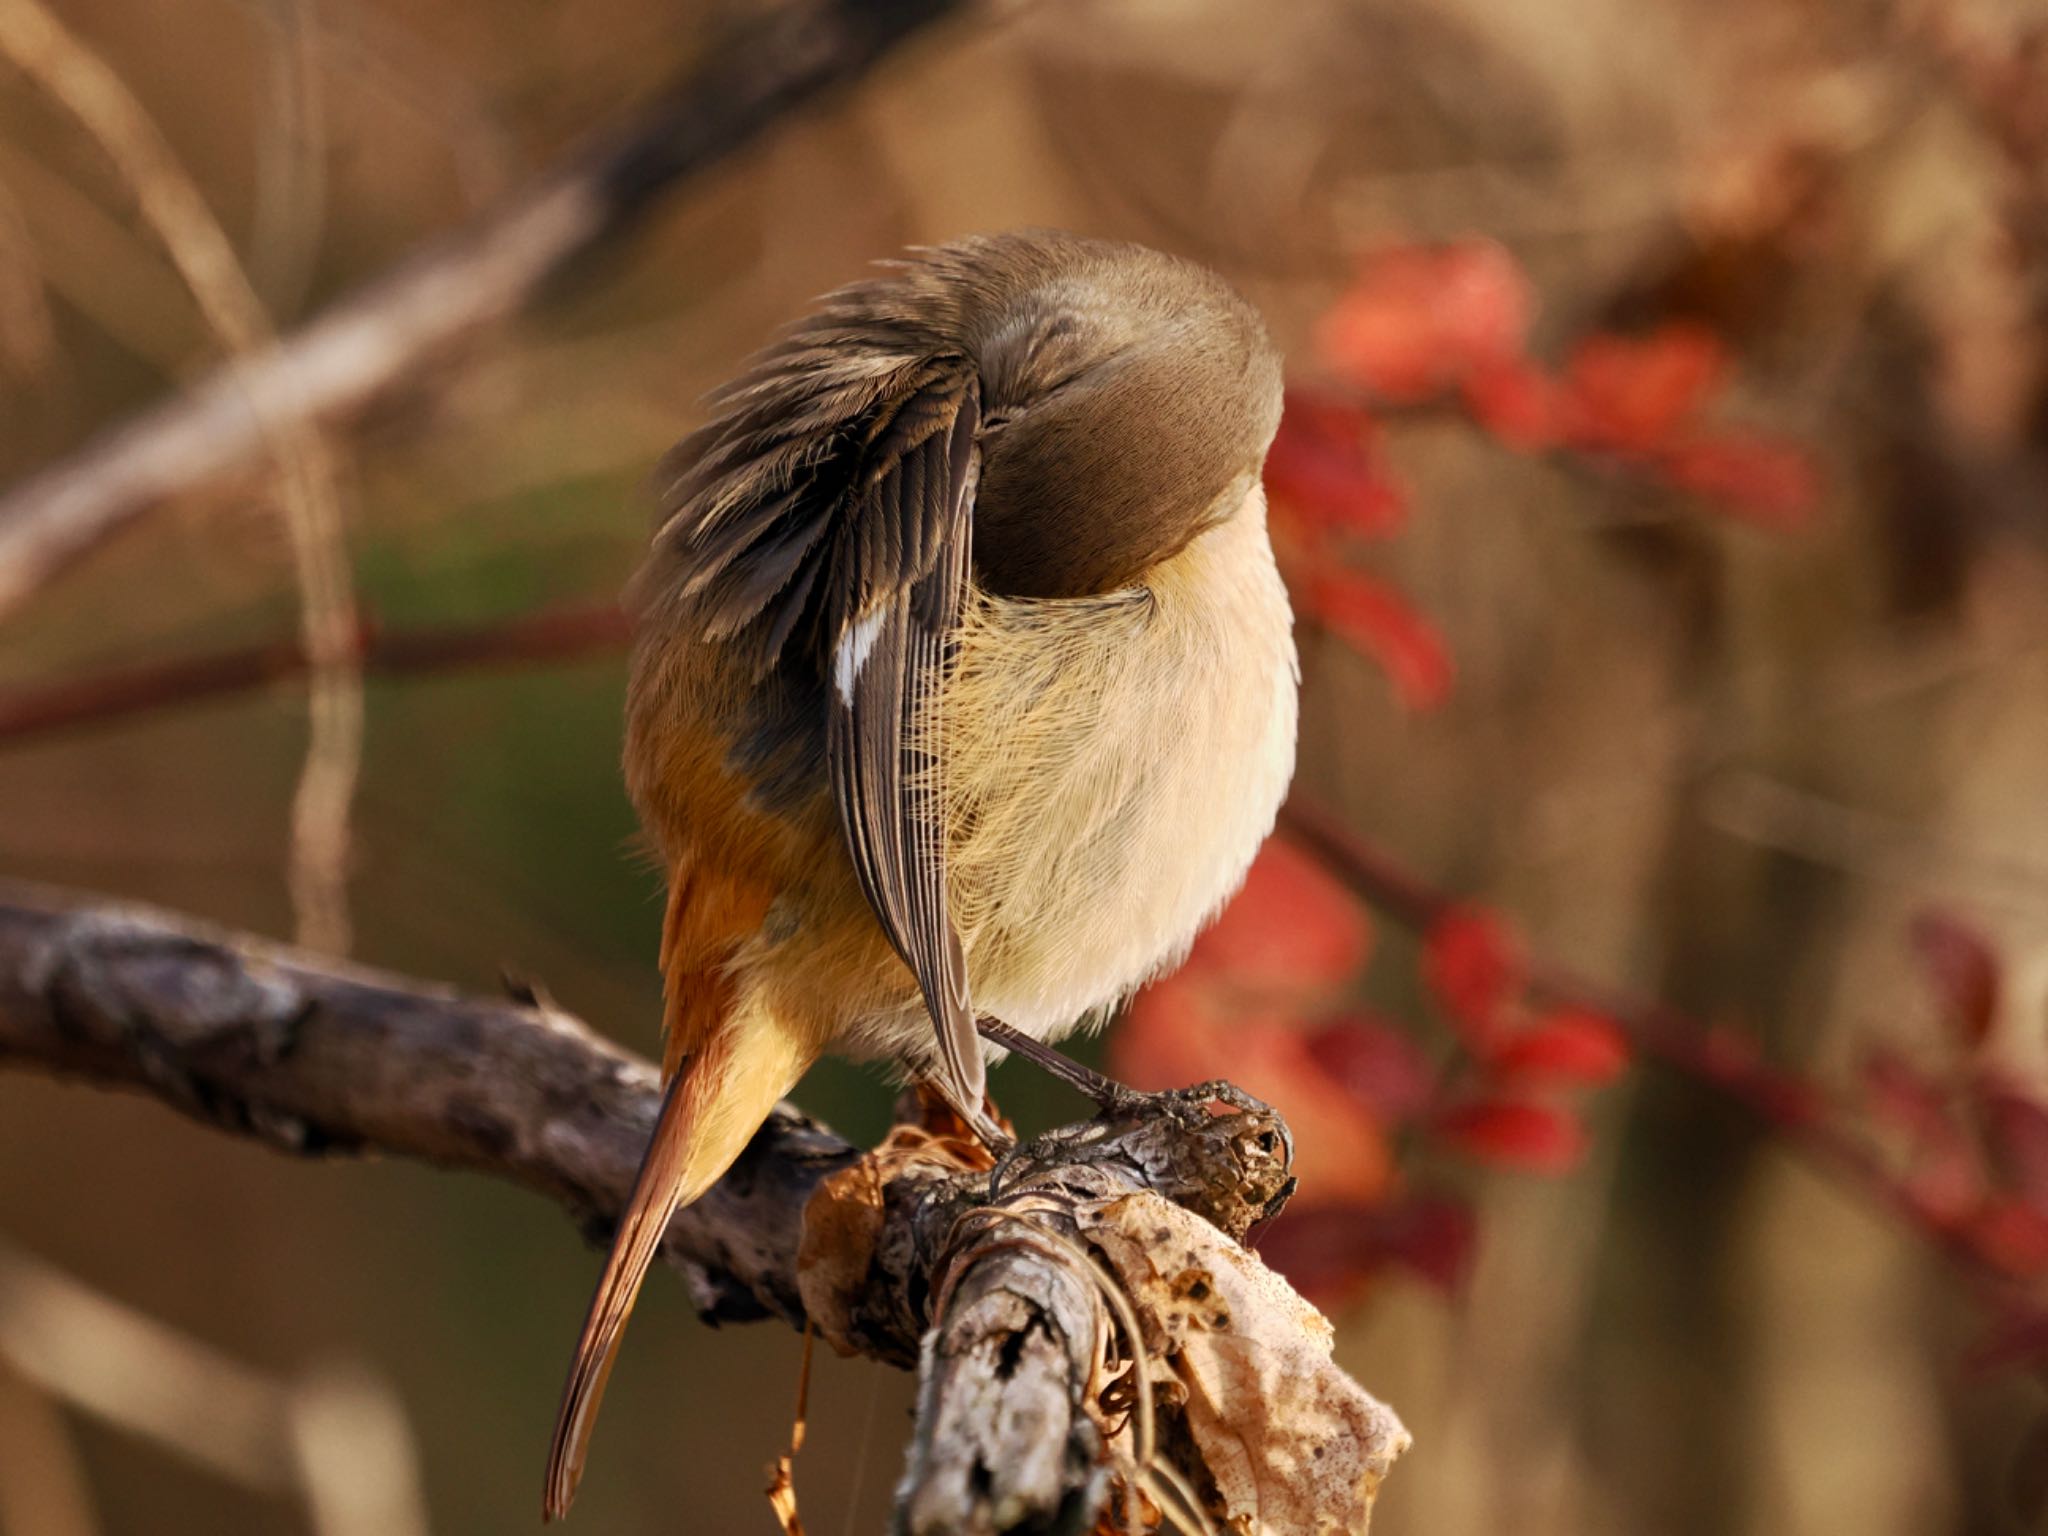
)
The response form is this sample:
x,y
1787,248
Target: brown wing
x,y
897,585
823,527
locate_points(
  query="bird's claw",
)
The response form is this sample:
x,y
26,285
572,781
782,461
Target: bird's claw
x,y
1216,1091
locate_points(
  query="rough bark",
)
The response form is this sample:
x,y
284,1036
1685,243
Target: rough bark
x,y
918,1254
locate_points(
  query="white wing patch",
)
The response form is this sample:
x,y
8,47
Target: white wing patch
x,y
852,653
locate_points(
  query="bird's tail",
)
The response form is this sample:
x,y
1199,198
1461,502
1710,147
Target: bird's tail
x,y
712,1108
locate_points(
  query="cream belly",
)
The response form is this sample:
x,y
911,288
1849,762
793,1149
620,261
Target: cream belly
x,y
1125,757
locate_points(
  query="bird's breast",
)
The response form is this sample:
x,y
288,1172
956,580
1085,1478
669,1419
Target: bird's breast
x,y
1112,764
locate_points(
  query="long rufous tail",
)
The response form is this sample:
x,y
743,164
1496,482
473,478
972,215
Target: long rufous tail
x,y
712,1107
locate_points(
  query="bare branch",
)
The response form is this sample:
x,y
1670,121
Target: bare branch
x,y
115,693
1375,874
319,1059
1073,1311
387,331
308,496
1679,1043
335,1436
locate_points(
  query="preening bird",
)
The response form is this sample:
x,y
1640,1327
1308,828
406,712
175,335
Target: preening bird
x,y
964,685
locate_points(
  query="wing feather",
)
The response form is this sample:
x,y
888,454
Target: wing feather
x,y
898,609
824,522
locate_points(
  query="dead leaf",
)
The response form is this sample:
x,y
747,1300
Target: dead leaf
x,y
782,1474
1126,1511
1295,1447
782,1497
843,1219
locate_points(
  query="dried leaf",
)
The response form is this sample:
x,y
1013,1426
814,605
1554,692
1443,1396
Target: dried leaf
x,y
782,1473
782,1497
1294,1446
1128,1511
843,1220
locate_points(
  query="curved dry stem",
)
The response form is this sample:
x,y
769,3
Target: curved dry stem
x,y
81,82
291,157
28,332
1156,1477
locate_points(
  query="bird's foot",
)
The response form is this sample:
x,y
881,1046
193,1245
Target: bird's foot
x,y
1192,1133
1211,1094
1113,1099
1103,1091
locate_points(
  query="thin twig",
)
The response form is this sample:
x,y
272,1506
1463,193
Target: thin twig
x,y
115,277
45,1492
28,332
127,1369
1373,873
337,1435
1662,1033
38,44
426,86
291,156
355,1455
392,329
113,694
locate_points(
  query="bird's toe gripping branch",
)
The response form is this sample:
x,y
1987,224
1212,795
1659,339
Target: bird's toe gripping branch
x,y
1090,1327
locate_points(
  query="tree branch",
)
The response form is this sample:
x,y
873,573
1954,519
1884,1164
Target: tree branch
x,y
1374,874
1787,1105
1075,1312
317,1058
473,278
113,693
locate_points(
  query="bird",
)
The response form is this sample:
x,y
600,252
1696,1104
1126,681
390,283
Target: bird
x,y
963,687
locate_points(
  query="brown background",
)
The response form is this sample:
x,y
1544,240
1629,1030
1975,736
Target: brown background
x,y
1720,764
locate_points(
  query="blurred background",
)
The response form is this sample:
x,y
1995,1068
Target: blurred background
x,y
1760,731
